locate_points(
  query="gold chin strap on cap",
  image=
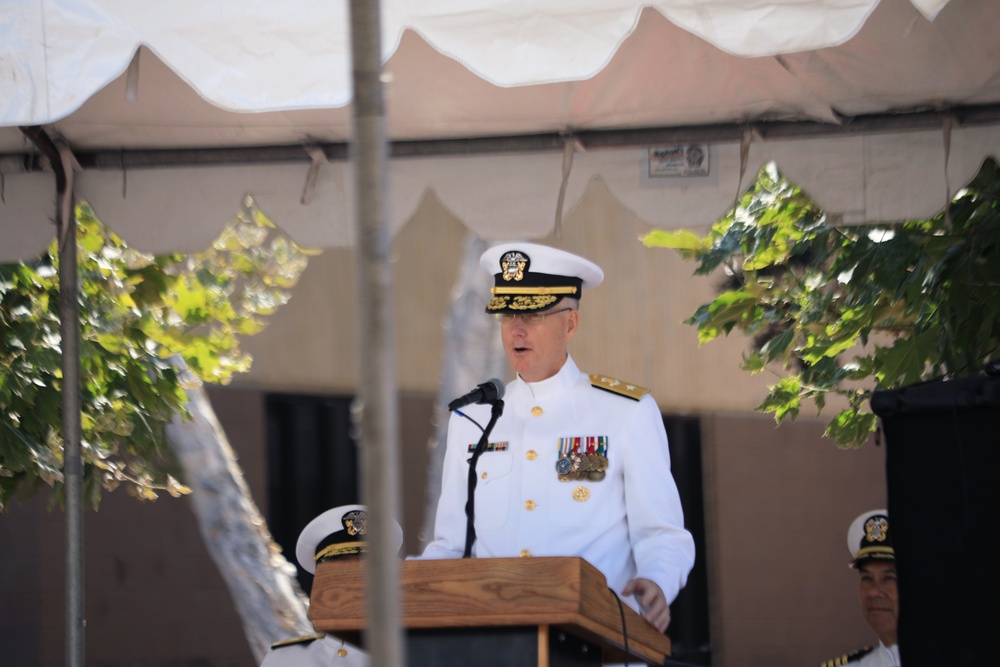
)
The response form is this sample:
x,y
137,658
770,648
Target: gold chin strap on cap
x,y
533,290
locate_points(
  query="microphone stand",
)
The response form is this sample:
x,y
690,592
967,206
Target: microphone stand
x,y
470,505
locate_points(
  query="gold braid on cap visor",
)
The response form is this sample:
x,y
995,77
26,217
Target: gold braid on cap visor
x,y
342,549
875,552
526,298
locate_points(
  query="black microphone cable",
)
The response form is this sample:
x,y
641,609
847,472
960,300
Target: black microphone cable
x,y
621,612
470,504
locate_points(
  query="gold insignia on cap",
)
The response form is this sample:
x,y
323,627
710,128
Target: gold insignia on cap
x,y
356,522
581,494
513,265
876,529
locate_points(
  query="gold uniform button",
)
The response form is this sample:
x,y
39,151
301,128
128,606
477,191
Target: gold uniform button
x,y
529,505
537,411
531,455
484,475
525,553
342,652
581,494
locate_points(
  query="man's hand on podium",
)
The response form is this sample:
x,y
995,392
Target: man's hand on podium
x,y
651,600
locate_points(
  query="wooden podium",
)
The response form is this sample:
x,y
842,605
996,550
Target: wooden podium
x,y
524,612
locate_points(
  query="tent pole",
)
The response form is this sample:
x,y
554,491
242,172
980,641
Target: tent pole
x,y
69,325
377,409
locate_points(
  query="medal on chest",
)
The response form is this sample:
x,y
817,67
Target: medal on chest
x,y
582,458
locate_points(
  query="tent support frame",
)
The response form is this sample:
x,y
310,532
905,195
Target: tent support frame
x,y
69,325
101,159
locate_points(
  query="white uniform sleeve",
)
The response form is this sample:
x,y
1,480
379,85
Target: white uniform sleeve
x,y
663,549
450,520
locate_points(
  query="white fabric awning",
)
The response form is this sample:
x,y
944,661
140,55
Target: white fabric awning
x,y
116,78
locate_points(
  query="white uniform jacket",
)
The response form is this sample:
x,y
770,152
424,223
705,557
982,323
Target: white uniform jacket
x,y
880,656
315,651
628,524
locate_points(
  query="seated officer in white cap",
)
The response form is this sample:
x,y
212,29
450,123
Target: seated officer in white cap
x,y
335,534
578,464
870,544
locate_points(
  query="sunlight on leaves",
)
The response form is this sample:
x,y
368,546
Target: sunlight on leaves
x,y
808,292
136,312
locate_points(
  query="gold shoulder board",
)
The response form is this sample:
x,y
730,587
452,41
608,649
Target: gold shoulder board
x,y
620,387
297,640
847,657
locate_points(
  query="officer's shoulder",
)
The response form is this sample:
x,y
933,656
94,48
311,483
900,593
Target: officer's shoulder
x,y
619,387
847,657
297,640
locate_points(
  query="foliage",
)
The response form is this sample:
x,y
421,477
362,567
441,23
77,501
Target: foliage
x,y
904,303
136,311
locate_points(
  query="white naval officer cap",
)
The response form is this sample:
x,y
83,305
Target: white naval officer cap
x,y
869,538
530,276
335,533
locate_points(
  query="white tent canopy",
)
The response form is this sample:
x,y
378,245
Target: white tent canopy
x,y
508,110
879,109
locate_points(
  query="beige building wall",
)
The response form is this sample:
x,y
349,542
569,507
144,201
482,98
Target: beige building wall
x,y
632,325
778,500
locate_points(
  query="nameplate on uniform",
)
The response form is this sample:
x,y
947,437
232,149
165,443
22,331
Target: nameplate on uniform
x,y
491,447
620,387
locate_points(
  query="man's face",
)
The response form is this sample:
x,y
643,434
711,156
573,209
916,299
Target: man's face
x,y
879,599
537,350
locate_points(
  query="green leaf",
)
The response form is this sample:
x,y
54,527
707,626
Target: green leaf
x,y
851,428
678,240
913,301
135,312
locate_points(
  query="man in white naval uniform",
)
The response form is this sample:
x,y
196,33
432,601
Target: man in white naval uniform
x,y
870,544
335,534
577,465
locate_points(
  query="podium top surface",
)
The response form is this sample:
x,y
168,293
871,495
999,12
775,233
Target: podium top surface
x,y
565,592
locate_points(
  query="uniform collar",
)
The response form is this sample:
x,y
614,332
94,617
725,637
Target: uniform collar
x,y
892,651
558,383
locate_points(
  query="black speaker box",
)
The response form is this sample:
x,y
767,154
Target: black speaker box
x,y
943,479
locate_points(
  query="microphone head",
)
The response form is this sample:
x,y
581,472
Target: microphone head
x,y
494,389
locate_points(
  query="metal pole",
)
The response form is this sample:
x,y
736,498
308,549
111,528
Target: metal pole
x,y
62,161
377,407
69,315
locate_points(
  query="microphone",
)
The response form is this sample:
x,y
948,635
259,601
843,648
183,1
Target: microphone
x,y
490,391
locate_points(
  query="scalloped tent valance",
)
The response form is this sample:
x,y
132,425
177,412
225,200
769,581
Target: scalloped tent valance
x,y
880,110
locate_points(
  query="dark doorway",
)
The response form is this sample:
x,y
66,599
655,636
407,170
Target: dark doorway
x,y
688,629
312,464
